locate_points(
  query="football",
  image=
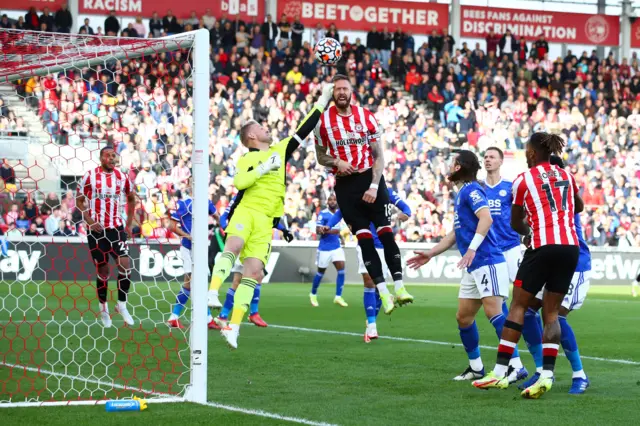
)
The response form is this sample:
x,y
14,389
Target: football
x,y
328,51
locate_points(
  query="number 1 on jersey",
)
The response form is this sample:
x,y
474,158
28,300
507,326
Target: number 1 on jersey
x,y
564,189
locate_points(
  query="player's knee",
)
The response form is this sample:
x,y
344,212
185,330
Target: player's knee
x,y
464,319
339,266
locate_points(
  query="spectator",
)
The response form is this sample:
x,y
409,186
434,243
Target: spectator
x,y
508,45
8,176
297,30
52,224
435,42
492,40
270,32
32,231
139,27
208,19
63,230
112,24
22,222
156,27
63,19
86,28
448,42
180,173
541,47
522,50
5,23
31,20
284,27
170,23
146,180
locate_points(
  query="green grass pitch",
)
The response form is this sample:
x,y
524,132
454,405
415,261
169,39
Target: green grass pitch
x,y
312,365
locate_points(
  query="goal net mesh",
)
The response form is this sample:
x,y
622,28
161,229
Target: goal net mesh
x,y
68,96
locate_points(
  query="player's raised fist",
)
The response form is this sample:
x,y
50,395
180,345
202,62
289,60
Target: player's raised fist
x,y
326,96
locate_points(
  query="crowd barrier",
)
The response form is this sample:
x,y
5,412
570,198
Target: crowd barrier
x,y
64,259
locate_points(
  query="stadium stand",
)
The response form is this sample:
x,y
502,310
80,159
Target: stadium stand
x,y
428,100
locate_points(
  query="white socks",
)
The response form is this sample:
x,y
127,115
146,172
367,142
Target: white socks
x,y
476,364
382,288
579,374
398,285
516,363
546,374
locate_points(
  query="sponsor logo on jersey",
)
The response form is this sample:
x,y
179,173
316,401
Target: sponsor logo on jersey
x,y
475,197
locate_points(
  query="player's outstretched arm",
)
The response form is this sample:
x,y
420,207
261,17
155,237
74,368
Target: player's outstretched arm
x,y
310,121
173,227
423,257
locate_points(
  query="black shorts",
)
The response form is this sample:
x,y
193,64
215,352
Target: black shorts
x,y
357,213
549,266
110,242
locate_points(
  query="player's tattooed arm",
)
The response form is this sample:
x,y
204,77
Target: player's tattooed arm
x,y
518,220
325,159
378,161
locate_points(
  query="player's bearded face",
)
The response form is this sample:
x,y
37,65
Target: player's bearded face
x,y
342,95
108,160
332,203
454,170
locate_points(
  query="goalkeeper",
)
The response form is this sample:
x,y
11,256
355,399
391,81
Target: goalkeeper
x,y
260,180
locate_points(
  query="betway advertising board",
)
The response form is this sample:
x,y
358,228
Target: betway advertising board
x,y
362,15
289,263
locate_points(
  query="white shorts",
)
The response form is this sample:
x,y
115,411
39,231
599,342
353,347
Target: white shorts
x,y
486,281
577,291
324,258
237,268
363,269
514,259
187,262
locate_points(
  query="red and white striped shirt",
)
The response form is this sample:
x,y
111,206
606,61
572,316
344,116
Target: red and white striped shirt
x,y
547,193
105,193
348,137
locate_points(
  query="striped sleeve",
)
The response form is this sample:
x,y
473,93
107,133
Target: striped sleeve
x,y
372,126
519,190
85,185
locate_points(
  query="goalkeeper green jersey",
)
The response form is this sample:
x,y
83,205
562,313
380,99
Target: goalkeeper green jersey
x,y
266,193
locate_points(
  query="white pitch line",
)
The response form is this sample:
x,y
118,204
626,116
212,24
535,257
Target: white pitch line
x,y
432,342
259,413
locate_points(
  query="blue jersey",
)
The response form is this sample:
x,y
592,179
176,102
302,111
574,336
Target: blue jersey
x,y
469,200
183,215
395,200
584,261
328,242
500,199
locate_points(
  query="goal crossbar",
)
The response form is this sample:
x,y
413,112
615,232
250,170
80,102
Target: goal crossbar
x,y
24,54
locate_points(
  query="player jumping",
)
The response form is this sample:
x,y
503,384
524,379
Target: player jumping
x,y
485,282
547,197
372,299
499,197
104,188
532,330
348,141
238,271
181,225
261,179
329,251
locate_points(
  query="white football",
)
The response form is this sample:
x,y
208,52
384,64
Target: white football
x,y
328,51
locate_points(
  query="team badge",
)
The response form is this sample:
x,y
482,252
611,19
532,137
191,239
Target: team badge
x,y
358,127
239,227
502,192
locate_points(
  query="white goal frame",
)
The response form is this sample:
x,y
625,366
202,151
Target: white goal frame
x,y
196,390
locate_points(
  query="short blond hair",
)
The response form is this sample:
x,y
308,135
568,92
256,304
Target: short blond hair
x,y
244,131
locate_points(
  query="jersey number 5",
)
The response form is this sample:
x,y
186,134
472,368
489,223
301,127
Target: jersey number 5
x,y
564,189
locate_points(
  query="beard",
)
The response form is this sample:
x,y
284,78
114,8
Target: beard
x,y
456,176
342,102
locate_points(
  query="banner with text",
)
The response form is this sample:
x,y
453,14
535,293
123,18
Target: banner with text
x,y
53,5
289,263
245,9
362,15
557,27
635,34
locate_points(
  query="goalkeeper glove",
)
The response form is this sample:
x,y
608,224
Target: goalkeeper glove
x,y
273,163
288,236
325,97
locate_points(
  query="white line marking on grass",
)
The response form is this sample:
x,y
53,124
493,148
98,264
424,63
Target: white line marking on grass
x,y
161,398
433,342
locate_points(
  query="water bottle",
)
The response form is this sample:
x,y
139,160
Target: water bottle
x,y
135,404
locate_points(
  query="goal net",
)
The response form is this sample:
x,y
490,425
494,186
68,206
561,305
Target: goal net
x,y
67,97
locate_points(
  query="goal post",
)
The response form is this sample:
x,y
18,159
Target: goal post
x,y
54,349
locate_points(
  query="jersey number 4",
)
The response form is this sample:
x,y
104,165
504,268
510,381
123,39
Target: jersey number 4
x,y
563,185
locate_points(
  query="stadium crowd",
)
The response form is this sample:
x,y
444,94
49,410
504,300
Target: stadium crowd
x,y
428,100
